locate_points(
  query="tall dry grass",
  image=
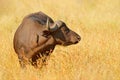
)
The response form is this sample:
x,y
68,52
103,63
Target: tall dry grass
x,y
96,57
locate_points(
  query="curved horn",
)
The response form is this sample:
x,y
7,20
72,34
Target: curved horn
x,y
59,23
56,25
47,24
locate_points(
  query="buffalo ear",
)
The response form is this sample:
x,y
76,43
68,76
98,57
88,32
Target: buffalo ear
x,y
46,33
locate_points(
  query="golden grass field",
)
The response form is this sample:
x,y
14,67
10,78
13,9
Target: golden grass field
x,y
96,57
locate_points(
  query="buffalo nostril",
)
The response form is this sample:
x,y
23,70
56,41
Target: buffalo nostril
x,y
79,38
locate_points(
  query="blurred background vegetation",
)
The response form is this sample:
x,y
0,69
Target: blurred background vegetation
x,y
96,57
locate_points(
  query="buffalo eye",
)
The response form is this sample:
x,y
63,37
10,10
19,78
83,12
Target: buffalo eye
x,y
66,31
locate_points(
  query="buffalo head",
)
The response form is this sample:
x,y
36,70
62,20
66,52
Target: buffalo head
x,y
62,34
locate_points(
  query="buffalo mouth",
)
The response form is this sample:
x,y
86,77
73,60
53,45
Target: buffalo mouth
x,y
68,43
76,42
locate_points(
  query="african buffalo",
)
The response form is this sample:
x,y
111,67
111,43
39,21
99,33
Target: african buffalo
x,y
38,34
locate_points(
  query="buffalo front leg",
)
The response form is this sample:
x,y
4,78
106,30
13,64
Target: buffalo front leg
x,y
23,60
